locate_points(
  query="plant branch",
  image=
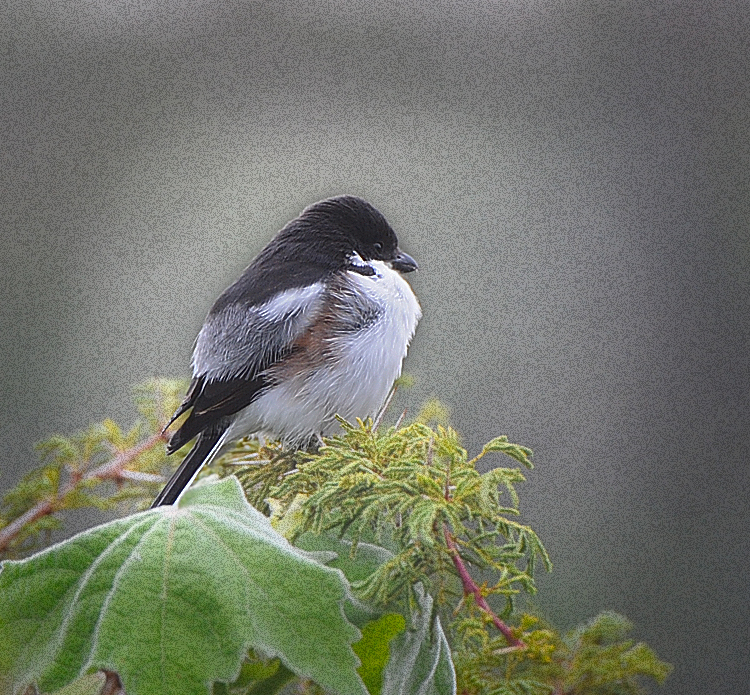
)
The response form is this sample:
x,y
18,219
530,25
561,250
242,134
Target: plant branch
x,y
471,588
111,470
381,412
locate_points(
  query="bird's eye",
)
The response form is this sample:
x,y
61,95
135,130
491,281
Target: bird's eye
x,y
377,246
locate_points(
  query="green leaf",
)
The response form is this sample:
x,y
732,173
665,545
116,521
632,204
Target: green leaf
x,y
273,683
171,599
357,566
373,649
420,661
91,684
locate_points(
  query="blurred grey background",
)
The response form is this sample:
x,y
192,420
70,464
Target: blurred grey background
x,y
572,177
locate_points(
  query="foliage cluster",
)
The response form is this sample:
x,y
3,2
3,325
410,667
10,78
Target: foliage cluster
x,y
414,558
104,468
596,658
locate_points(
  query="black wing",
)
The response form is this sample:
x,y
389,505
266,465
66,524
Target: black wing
x,y
212,402
235,347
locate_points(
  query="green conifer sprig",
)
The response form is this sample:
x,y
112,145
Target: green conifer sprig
x,y
406,488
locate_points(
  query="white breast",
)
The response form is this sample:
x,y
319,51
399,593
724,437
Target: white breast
x,y
375,354
355,379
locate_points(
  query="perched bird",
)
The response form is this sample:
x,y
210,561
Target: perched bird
x,y
316,326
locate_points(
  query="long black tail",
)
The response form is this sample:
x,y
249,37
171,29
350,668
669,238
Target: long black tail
x,y
189,468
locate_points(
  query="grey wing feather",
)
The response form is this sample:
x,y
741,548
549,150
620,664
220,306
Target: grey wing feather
x,y
241,341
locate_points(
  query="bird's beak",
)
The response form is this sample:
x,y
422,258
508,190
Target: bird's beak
x,y
404,263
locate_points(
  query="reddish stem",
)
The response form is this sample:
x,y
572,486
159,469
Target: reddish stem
x,y
471,588
112,470
112,684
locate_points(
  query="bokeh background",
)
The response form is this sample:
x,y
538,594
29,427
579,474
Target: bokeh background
x,y
573,178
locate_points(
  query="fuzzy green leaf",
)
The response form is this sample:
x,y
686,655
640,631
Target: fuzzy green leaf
x,y
420,661
356,566
90,684
171,599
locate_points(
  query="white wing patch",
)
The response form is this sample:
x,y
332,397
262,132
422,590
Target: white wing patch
x,y
240,340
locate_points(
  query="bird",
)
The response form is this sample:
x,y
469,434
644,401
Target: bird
x,y
317,326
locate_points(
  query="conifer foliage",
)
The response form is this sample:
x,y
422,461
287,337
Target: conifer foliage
x,y
382,563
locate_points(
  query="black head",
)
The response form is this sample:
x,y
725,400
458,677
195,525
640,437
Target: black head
x,y
322,240
347,224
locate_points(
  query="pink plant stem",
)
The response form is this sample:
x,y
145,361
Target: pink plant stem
x,y
470,587
112,470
